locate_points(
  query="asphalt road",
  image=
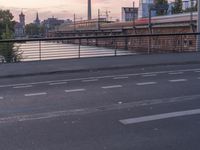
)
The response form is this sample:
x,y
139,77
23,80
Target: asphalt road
x,y
150,108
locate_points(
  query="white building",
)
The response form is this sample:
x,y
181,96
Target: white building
x,y
188,4
129,13
20,26
143,11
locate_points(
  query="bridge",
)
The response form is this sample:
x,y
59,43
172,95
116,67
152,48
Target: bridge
x,y
136,92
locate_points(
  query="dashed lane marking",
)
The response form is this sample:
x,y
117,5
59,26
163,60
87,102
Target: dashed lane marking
x,y
178,80
146,83
98,77
92,110
35,94
58,83
75,90
160,116
149,75
1,98
111,87
90,80
22,87
120,78
175,73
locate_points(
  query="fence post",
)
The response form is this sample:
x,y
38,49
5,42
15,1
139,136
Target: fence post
x,y
79,48
181,43
40,51
149,45
115,47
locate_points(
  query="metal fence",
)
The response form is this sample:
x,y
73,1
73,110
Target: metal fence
x,y
94,46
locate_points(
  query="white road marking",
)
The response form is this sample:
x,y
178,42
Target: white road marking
x,y
35,94
178,80
175,73
198,71
21,87
1,98
198,78
75,90
146,83
160,116
98,77
111,87
54,114
120,78
90,80
149,75
58,83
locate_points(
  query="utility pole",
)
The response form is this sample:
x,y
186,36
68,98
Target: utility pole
x,y
89,10
74,22
99,15
191,16
198,26
133,15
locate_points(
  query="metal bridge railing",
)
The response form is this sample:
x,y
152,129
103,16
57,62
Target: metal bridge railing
x,y
94,46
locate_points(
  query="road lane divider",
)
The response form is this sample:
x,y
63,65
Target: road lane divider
x,y
112,87
120,78
75,90
175,73
160,116
22,87
149,75
35,94
146,83
58,83
90,80
92,110
1,98
97,77
178,80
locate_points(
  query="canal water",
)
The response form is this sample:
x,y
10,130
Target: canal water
x,y
31,51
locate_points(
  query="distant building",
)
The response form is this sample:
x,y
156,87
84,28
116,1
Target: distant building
x,y
51,23
188,4
129,13
170,8
143,11
37,20
20,26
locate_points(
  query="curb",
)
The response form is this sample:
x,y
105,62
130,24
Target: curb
x,y
98,69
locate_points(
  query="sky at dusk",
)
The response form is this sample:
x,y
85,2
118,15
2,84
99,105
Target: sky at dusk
x,y
63,9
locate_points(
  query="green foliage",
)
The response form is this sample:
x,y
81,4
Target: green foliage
x,y
6,18
8,50
177,7
34,30
162,6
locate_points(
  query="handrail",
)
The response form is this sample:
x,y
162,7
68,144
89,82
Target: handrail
x,y
95,37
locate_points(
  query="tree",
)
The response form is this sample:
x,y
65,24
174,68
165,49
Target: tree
x,y
6,20
34,30
177,7
161,6
8,50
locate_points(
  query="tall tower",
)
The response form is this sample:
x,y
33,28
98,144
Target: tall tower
x,y
22,19
37,20
89,10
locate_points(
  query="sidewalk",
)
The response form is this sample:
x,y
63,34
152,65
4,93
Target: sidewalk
x,y
93,64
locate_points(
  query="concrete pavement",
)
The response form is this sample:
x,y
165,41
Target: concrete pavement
x,y
94,64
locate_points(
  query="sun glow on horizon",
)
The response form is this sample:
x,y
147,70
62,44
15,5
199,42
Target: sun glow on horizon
x,y
62,8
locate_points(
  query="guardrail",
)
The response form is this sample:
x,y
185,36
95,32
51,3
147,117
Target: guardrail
x,y
15,50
